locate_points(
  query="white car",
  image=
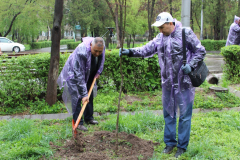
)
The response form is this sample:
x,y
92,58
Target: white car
x,y
8,45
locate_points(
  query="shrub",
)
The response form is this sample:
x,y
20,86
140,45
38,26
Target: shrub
x,y
213,45
24,81
231,57
139,74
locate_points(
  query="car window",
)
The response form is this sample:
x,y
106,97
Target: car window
x,y
3,40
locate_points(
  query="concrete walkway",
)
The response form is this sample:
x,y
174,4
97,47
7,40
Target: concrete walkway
x,y
66,115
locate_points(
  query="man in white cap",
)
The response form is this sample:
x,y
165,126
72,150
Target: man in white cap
x,y
177,89
234,33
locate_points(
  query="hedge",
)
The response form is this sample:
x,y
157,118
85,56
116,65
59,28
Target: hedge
x,y
213,45
24,80
231,68
44,44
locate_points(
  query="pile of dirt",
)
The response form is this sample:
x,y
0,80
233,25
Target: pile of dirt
x,y
101,146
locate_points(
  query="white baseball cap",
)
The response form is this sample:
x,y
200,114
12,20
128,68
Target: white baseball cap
x,y
163,18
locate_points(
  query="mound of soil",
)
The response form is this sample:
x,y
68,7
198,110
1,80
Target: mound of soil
x,y
101,146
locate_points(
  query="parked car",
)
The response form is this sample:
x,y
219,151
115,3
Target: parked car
x,y
8,45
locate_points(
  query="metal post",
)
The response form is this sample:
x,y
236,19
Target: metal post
x,y
201,35
185,14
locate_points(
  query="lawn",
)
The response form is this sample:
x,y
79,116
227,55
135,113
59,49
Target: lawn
x,y
214,135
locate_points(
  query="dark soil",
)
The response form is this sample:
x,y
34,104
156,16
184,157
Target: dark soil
x,y
101,146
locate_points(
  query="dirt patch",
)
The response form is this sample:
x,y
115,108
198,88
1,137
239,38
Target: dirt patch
x,y
101,146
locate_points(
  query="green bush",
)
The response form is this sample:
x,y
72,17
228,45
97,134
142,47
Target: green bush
x,y
72,45
139,74
24,81
231,68
213,45
44,44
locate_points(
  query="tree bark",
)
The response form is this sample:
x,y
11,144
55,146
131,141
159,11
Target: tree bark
x,y
51,96
117,26
170,8
10,27
150,16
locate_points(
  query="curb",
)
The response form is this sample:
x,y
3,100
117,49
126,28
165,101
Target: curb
x,y
66,115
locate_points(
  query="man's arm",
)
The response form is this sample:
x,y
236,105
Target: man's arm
x,y
147,50
236,27
79,71
194,46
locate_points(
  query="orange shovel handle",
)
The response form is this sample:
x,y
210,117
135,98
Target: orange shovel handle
x,y
84,106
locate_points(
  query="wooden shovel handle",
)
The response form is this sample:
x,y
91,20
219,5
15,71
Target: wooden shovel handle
x,y
84,105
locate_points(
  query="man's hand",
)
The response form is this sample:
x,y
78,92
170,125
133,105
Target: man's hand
x,y
123,51
186,69
97,76
85,99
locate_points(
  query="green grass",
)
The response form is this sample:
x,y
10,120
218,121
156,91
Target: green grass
x,y
29,139
152,100
214,135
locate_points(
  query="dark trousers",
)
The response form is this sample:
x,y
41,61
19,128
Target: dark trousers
x,y
88,113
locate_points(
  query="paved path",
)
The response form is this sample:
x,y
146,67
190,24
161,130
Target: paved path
x,y
66,115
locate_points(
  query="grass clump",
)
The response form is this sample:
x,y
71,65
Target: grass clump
x,y
141,122
29,139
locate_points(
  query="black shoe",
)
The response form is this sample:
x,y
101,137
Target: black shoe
x,y
92,122
168,149
82,128
179,152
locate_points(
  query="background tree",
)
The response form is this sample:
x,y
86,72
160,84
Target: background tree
x,y
24,18
51,96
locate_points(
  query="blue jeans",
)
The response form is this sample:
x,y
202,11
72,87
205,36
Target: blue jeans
x,y
184,128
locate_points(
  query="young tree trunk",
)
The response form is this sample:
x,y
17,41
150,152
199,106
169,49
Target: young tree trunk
x,y
150,17
51,96
117,26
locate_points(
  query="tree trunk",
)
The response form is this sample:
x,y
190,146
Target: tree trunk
x,y
51,96
117,26
108,40
133,40
217,22
128,41
170,8
191,16
150,16
238,7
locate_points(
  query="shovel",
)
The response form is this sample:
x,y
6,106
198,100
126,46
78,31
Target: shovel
x,y
74,125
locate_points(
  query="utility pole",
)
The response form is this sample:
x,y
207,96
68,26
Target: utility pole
x,y
201,36
185,14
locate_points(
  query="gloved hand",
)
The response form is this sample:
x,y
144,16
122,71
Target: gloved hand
x,y
97,76
123,52
186,69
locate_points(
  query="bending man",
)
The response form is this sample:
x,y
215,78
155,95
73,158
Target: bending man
x,y
85,63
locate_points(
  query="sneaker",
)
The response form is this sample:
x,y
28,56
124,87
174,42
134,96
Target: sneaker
x,y
82,128
179,152
168,149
